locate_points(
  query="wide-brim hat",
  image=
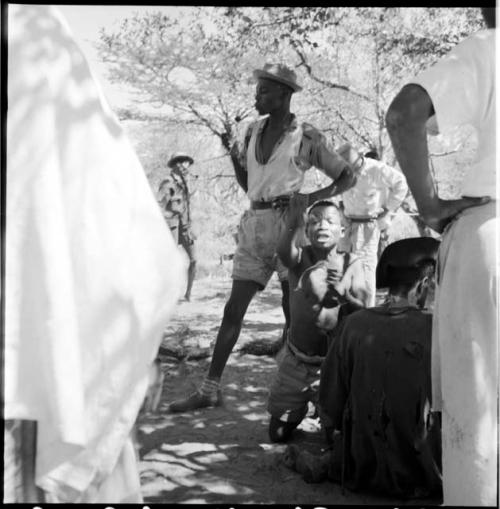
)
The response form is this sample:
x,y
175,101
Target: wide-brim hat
x,y
405,254
351,155
179,157
280,73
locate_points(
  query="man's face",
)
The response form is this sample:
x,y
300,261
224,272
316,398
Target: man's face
x,y
182,166
324,227
269,96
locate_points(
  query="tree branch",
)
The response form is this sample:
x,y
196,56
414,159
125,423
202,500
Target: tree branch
x,y
323,82
364,137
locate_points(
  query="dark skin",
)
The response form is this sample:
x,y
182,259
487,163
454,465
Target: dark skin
x,y
323,231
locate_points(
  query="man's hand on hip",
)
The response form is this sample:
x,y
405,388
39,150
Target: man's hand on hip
x,y
447,210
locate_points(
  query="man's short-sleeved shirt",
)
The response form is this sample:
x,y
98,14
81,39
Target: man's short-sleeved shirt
x,y
377,185
462,89
300,147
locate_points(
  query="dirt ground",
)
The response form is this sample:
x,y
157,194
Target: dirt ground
x,y
223,455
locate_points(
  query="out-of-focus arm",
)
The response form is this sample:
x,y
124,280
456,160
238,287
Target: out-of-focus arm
x,y
406,123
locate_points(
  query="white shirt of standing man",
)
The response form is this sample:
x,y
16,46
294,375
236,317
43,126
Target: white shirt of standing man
x,y
379,190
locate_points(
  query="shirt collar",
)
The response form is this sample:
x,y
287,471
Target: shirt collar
x,y
292,126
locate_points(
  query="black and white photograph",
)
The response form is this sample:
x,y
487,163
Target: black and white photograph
x,y
250,255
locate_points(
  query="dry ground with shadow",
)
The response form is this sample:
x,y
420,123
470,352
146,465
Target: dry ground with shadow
x,y
223,455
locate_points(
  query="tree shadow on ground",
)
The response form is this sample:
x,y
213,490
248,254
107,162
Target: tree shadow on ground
x,y
223,454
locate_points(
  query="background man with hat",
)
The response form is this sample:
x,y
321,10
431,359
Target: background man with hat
x,y
175,204
369,207
375,386
270,167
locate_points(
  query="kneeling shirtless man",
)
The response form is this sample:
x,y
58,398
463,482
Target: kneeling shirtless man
x,y
321,279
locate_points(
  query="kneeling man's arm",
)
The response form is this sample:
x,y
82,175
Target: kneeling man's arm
x,y
354,285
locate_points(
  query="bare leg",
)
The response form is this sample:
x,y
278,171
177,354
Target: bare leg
x,y
242,293
188,246
191,275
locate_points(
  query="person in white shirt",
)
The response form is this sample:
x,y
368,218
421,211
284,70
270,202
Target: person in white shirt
x,y
270,167
460,90
91,275
369,207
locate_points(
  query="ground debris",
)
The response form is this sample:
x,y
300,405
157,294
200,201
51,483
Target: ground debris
x,y
261,347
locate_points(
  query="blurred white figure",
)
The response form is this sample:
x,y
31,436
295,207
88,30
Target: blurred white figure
x,y
92,271
460,90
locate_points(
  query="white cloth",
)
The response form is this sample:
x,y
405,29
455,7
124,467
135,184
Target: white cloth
x,y
362,239
465,331
378,186
92,271
465,357
462,89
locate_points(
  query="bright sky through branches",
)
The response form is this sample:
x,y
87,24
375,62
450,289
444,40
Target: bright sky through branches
x,y
86,21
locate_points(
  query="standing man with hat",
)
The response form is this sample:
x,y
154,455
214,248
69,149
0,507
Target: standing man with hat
x,y
270,167
369,207
175,204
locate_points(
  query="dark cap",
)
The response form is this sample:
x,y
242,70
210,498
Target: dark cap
x,y
179,157
409,253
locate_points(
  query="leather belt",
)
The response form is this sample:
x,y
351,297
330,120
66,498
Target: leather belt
x,y
315,360
281,202
361,219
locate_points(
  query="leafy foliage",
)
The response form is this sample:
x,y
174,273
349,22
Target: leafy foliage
x,y
194,65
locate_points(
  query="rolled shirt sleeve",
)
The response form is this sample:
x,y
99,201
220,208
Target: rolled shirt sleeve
x,y
316,151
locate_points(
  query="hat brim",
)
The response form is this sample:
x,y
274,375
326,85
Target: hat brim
x,y
260,73
179,159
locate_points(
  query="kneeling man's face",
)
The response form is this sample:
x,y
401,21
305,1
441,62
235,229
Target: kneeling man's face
x,y
324,227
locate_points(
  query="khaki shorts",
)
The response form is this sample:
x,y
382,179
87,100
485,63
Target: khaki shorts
x,y
295,385
255,258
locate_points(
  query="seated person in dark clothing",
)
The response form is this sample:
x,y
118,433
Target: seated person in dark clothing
x,y
320,279
375,386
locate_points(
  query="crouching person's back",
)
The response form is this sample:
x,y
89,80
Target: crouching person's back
x,y
376,384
